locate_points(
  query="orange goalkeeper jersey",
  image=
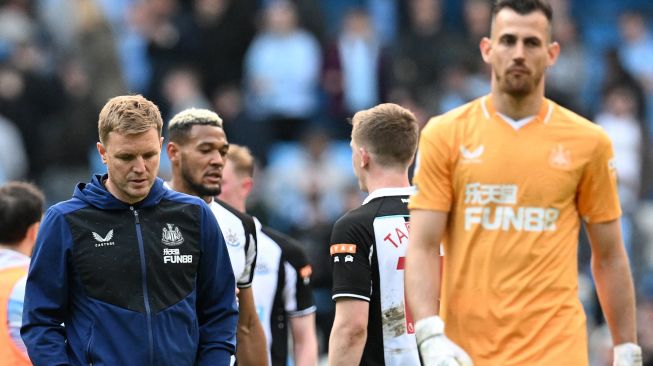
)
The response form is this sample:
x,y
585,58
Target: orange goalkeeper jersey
x,y
515,198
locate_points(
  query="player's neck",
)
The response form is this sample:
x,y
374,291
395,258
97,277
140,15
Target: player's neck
x,y
517,107
235,203
23,248
387,179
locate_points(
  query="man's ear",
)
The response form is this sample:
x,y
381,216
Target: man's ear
x,y
486,47
102,151
247,185
173,151
365,157
32,231
554,52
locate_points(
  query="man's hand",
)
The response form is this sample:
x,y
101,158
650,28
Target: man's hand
x,y
435,348
627,354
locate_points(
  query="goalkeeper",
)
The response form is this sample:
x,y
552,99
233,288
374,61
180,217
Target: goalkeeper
x,y
504,183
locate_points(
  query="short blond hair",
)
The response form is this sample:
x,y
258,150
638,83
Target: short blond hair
x,y
129,115
182,122
389,132
242,159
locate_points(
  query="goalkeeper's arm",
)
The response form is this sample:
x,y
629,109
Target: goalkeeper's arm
x,y
422,281
615,289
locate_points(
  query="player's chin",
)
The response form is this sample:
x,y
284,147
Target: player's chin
x,y
140,185
518,88
138,194
211,189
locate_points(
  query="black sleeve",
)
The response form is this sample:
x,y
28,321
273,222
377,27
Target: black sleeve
x,y
251,247
297,289
350,249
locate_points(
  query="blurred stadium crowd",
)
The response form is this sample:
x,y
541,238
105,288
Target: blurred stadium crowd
x,y
286,75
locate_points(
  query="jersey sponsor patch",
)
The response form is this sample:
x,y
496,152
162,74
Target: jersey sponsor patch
x,y
343,248
472,155
171,255
493,207
103,241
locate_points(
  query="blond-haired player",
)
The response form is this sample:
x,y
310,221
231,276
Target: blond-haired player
x,y
281,285
505,181
373,326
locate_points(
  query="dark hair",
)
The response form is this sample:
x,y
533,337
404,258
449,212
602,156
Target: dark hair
x,y
524,7
181,124
21,205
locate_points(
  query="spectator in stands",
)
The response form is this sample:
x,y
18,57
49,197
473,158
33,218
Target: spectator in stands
x,y
423,49
637,47
182,90
645,317
619,120
354,68
74,122
567,78
282,68
13,158
635,51
224,30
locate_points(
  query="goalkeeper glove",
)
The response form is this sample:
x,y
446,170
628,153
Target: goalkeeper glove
x,y
627,354
435,348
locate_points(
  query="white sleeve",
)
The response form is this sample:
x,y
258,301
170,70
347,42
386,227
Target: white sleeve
x,y
245,279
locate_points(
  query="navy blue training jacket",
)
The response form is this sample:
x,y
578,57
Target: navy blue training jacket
x,y
118,284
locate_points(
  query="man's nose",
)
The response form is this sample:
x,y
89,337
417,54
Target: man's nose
x,y
217,159
519,51
139,165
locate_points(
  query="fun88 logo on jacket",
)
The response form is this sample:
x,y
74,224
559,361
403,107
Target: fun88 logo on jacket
x,y
494,207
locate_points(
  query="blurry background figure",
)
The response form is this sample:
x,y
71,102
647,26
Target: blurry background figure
x,y
354,73
637,47
310,178
167,31
71,133
620,122
467,78
87,35
423,49
181,90
224,30
567,78
645,317
600,346
21,208
307,186
228,102
282,69
13,158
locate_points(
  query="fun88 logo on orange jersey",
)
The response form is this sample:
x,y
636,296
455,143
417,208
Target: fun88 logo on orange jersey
x,y
494,207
